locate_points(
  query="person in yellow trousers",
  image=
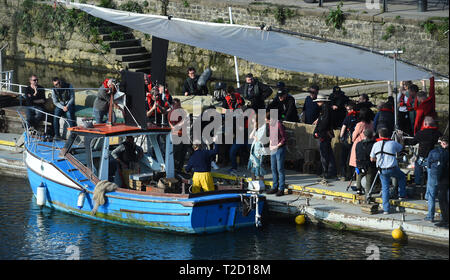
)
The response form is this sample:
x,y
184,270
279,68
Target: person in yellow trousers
x,y
200,163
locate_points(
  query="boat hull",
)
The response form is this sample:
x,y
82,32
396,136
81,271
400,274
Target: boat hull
x,y
209,213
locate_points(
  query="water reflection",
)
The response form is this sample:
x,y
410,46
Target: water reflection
x,y
27,232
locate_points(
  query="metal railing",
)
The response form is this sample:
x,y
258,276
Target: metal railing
x,y
6,78
33,139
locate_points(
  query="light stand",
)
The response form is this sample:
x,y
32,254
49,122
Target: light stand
x,y
395,53
395,133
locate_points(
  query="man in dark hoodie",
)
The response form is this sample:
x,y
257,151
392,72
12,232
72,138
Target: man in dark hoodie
x,y
255,92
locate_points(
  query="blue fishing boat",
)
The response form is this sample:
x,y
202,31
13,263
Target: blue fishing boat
x,y
64,175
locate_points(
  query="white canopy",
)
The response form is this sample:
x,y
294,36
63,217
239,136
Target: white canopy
x,y
268,48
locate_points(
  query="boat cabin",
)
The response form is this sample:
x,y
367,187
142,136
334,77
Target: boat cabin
x,y
89,149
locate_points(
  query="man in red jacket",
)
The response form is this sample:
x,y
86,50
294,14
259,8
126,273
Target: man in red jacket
x,y
424,106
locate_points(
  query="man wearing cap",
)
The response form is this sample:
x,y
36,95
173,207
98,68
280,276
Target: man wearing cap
x,y
437,184
285,104
324,132
255,91
310,108
101,103
338,99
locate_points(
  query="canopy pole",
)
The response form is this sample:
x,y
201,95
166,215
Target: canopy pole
x,y
235,58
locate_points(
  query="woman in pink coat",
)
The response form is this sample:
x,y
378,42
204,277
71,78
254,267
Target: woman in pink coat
x,y
358,134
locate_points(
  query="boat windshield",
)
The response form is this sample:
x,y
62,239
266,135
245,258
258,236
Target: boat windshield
x,y
100,154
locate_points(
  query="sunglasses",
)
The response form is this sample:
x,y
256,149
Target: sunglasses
x,y
35,80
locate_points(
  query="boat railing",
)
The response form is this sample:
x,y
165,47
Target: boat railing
x,y
32,138
19,90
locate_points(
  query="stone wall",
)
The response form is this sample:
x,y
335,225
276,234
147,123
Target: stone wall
x,y
75,50
373,32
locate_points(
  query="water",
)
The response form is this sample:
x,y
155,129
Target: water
x,y
26,232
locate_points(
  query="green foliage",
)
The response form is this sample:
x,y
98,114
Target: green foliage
x,y
55,23
281,14
131,6
336,17
107,4
219,20
437,26
185,3
390,30
117,35
4,30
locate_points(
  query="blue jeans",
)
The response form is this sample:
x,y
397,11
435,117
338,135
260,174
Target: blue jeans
x,y
432,189
233,153
99,115
327,158
70,115
419,168
385,178
277,166
33,116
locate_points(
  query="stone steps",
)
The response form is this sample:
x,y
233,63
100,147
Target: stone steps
x,y
129,51
109,37
137,64
124,43
135,57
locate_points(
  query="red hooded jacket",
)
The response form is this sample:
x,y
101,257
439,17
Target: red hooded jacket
x,y
426,108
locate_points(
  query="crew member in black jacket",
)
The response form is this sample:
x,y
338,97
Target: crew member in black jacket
x,y
190,86
365,166
427,138
255,92
285,103
324,132
338,99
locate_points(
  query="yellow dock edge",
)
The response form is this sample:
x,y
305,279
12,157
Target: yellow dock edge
x,y
7,143
327,192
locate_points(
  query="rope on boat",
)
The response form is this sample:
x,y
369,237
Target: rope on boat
x,y
101,188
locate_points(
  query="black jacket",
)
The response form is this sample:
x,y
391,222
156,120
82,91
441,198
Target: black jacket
x,y
339,100
191,86
255,95
362,150
427,139
30,98
287,111
324,123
